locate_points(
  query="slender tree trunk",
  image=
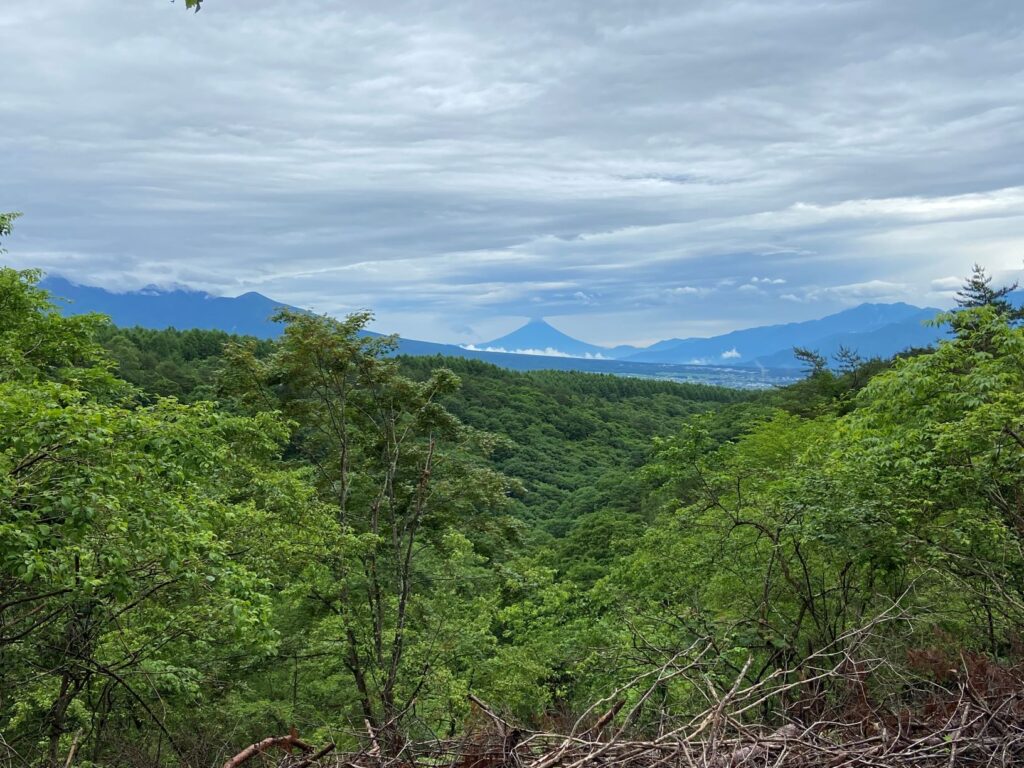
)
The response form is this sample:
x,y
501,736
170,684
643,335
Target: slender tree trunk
x,y
56,719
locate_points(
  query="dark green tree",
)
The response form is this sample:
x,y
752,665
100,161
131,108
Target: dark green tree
x,y
847,360
814,362
977,291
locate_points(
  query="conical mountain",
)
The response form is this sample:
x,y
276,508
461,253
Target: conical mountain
x,y
540,337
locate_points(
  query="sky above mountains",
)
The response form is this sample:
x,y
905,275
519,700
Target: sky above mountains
x,y
635,170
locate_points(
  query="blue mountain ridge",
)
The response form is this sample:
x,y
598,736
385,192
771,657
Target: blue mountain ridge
x,y
750,345
916,332
869,329
249,314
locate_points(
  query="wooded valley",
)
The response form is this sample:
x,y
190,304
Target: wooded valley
x,y
209,542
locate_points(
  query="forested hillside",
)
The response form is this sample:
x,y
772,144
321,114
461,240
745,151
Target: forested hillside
x,y
572,442
208,540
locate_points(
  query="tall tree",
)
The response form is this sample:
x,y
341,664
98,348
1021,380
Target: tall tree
x,y
815,363
977,291
397,476
847,359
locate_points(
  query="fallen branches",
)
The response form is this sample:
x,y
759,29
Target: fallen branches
x,y
287,743
840,708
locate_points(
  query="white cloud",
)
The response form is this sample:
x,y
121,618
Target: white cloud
x,y
546,352
871,290
851,293
947,284
450,163
731,354
993,203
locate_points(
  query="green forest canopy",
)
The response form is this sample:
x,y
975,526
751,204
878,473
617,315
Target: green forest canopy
x,y
208,539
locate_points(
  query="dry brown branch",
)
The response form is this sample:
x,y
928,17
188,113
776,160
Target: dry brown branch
x,y
287,743
73,751
316,757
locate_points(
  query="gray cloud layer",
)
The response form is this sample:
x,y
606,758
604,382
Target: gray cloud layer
x,y
635,170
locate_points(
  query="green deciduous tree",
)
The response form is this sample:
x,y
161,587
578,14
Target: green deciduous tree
x,y
119,571
396,589
935,449
803,528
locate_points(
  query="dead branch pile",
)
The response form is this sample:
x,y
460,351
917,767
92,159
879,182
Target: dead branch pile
x,y
963,712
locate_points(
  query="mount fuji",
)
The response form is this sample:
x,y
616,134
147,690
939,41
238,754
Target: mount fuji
x,y
539,337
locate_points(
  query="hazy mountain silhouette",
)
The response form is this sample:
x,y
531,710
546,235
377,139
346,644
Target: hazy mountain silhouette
x,y
179,308
776,342
249,313
869,329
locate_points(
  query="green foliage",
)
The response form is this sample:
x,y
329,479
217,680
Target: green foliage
x,y
977,291
6,224
171,363
118,564
398,592
940,455
573,439
37,342
208,539
802,528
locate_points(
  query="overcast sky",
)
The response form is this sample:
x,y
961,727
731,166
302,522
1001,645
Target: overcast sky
x,y
632,170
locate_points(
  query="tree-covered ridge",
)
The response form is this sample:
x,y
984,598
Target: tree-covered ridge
x,y
170,363
571,438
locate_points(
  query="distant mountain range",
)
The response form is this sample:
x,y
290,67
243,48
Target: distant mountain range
x,y
249,313
871,330
751,357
